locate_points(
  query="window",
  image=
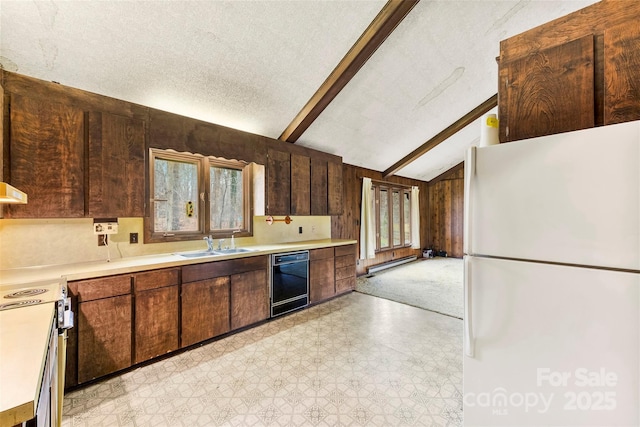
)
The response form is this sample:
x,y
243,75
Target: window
x,y
392,216
195,196
226,198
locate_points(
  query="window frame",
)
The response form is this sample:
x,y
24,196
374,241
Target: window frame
x,y
391,189
204,217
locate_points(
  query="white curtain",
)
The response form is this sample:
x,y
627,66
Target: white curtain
x,y
367,232
415,218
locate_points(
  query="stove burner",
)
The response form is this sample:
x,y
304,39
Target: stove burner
x,y
26,293
17,304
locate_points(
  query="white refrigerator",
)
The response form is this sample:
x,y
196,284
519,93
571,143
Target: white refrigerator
x,y
552,280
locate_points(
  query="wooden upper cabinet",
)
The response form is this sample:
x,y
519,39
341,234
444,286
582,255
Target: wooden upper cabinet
x,y
300,185
548,92
318,187
335,188
546,81
622,73
278,182
47,158
116,166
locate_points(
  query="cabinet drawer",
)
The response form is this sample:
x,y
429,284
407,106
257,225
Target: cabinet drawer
x,y
316,254
346,250
155,279
105,287
345,285
210,270
345,261
345,272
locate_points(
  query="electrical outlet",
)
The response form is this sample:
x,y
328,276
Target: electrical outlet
x,y
133,238
105,228
299,230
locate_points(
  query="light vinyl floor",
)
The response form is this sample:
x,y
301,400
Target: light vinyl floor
x,y
355,360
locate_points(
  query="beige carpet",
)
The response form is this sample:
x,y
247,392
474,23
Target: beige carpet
x,y
434,284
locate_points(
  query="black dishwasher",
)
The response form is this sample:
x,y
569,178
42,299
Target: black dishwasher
x,y
289,282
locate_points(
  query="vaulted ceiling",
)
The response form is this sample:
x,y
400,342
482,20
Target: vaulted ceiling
x,y
255,65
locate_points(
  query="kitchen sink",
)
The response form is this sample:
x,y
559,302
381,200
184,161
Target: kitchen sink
x,y
197,254
231,251
214,252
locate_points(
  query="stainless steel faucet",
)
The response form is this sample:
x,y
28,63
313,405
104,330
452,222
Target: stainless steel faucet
x,y
233,241
209,241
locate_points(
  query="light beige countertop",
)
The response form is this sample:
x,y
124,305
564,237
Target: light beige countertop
x,y
88,270
24,332
24,340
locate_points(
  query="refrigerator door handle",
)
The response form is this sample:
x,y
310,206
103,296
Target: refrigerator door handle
x,y
469,345
469,172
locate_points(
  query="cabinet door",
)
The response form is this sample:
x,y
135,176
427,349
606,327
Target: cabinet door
x,y
104,337
116,166
205,310
548,92
47,158
156,322
278,182
622,73
321,274
249,298
335,188
300,185
318,187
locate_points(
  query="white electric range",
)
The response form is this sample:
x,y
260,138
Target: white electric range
x,y
23,295
20,296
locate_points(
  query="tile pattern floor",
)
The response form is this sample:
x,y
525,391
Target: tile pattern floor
x,y
356,360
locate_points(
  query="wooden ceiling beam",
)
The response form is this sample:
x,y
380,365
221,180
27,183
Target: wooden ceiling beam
x,y
376,33
468,118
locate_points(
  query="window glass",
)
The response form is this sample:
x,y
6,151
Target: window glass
x,y
384,218
226,198
175,195
407,217
397,238
195,196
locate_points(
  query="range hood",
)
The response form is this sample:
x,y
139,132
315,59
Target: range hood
x,y
10,194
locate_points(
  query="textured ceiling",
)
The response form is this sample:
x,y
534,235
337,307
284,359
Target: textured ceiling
x,y
438,65
253,65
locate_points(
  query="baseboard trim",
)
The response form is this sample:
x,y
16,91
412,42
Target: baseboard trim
x,y
389,264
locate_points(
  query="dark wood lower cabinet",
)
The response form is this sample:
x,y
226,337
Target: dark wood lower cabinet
x,y
345,268
249,298
205,310
156,323
127,319
104,336
321,274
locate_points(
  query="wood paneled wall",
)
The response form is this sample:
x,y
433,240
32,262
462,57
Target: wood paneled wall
x,y
446,207
347,225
